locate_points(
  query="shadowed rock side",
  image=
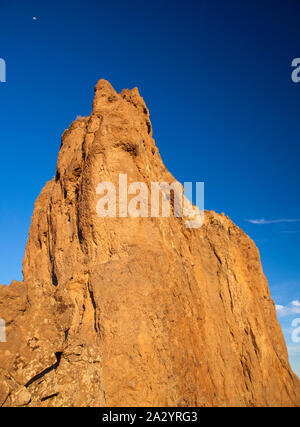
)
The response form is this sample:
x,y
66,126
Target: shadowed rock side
x,y
135,311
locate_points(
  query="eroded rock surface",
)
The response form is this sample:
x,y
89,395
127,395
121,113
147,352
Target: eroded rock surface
x,y
135,311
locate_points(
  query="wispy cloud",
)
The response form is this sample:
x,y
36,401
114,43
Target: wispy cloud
x,y
263,221
288,310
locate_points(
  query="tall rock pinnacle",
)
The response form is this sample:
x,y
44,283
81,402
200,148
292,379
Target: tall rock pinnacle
x,y
138,311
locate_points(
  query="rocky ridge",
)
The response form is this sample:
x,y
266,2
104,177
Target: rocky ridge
x,y
135,311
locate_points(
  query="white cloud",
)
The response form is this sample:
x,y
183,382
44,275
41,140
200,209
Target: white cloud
x,y
295,303
34,18
263,221
289,310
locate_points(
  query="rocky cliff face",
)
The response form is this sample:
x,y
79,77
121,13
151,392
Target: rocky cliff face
x,y
135,311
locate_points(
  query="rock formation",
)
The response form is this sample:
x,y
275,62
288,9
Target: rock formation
x,y
135,311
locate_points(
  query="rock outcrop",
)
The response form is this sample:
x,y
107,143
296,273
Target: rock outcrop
x,y
135,311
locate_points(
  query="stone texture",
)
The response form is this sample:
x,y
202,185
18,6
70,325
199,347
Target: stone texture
x,y
135,311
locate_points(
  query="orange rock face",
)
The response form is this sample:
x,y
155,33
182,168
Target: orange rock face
x,y
135,311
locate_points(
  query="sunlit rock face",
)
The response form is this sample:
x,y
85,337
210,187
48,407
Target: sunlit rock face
x,y
124,311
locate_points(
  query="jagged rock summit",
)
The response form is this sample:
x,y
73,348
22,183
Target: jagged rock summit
x,y
135,311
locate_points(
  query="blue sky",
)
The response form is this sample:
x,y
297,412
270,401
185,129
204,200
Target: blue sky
x,y
216,77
